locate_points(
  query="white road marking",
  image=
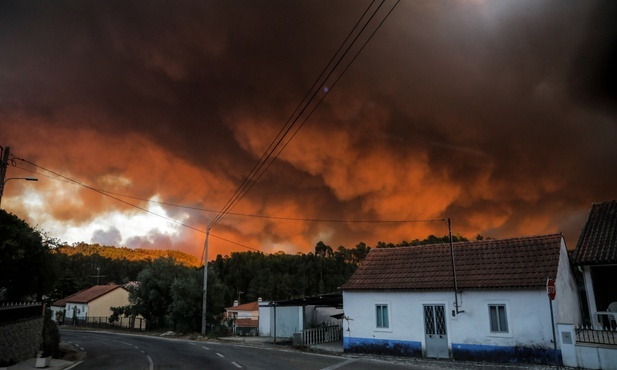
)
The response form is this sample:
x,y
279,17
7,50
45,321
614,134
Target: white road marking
x,y
142,351
218,354
340,364
206,348
151,363
236,365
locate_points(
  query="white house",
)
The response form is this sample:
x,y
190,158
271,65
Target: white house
x,y
92,302
402,300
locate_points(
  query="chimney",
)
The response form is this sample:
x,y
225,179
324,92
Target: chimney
x,y
259,299
235,303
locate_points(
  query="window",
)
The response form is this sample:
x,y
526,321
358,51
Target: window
x,y
382,316
499,318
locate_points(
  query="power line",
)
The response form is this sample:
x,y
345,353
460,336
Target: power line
x,y
69,180
266,159
281,218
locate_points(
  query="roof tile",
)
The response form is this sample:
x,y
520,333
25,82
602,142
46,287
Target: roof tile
x,y
507,263
597,243
87,295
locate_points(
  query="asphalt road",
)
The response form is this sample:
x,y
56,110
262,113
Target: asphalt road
x,y
122,351
105,350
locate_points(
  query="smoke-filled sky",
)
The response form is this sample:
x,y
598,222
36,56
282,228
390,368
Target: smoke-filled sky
x,y
500,115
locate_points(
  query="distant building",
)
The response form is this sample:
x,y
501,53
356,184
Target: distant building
x,y
89,303
243,318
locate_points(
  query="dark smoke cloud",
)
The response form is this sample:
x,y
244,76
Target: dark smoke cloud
x,y
499,115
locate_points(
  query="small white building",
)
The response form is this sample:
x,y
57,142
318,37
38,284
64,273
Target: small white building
x,y
402,301
90,303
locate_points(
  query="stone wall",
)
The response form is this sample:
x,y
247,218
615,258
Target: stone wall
x,y
20,340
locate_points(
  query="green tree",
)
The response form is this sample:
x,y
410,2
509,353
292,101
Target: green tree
x,y
27,266
186,296
152,296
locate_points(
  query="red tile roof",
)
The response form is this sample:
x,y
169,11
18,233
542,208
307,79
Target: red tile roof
x,y
253,306
508,263
597,243
87,295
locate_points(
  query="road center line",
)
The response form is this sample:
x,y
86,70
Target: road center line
x,y
218,354
340,364
151,363
236,365
206,348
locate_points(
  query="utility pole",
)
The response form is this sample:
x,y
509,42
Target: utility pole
x,y
3,165
456,305
205,297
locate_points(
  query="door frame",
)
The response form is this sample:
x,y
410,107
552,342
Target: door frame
x,y
446,324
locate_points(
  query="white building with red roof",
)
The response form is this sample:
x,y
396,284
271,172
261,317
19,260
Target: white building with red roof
x,y
92,302
402,301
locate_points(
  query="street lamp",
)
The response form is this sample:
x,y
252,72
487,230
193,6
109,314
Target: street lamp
x,y
14,178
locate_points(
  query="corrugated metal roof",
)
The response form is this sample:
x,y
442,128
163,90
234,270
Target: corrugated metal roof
x,y
508,263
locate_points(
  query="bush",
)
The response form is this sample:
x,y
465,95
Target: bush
x,y
51,337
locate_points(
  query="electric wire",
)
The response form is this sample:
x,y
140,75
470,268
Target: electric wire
x,y
331,87
280,218
236,196
266,159
74,182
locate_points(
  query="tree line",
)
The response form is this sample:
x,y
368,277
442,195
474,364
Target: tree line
x,y
166,287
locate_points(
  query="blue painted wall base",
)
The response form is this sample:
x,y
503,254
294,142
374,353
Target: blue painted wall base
x,y
382,347
461,352
519,354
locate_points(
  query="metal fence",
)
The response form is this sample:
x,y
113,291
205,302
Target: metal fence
x,y
103,322
10,312
587,334
322,334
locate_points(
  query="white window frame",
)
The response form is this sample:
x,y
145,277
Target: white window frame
x,y
383,305
507,309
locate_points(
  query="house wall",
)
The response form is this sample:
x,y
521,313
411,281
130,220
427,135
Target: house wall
x,y
288,321
80,310
101,305
57,313
567,303
264,320
242,314
469,337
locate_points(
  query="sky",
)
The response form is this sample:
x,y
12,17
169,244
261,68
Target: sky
x,y
142,118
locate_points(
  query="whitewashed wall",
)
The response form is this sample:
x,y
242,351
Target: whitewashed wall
x,y
82,310
567,302
264,320
288,321
528,316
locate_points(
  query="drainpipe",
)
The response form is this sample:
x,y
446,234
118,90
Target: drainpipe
x,y
456,311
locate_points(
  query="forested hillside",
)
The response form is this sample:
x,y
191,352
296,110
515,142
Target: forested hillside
x,y
128,254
